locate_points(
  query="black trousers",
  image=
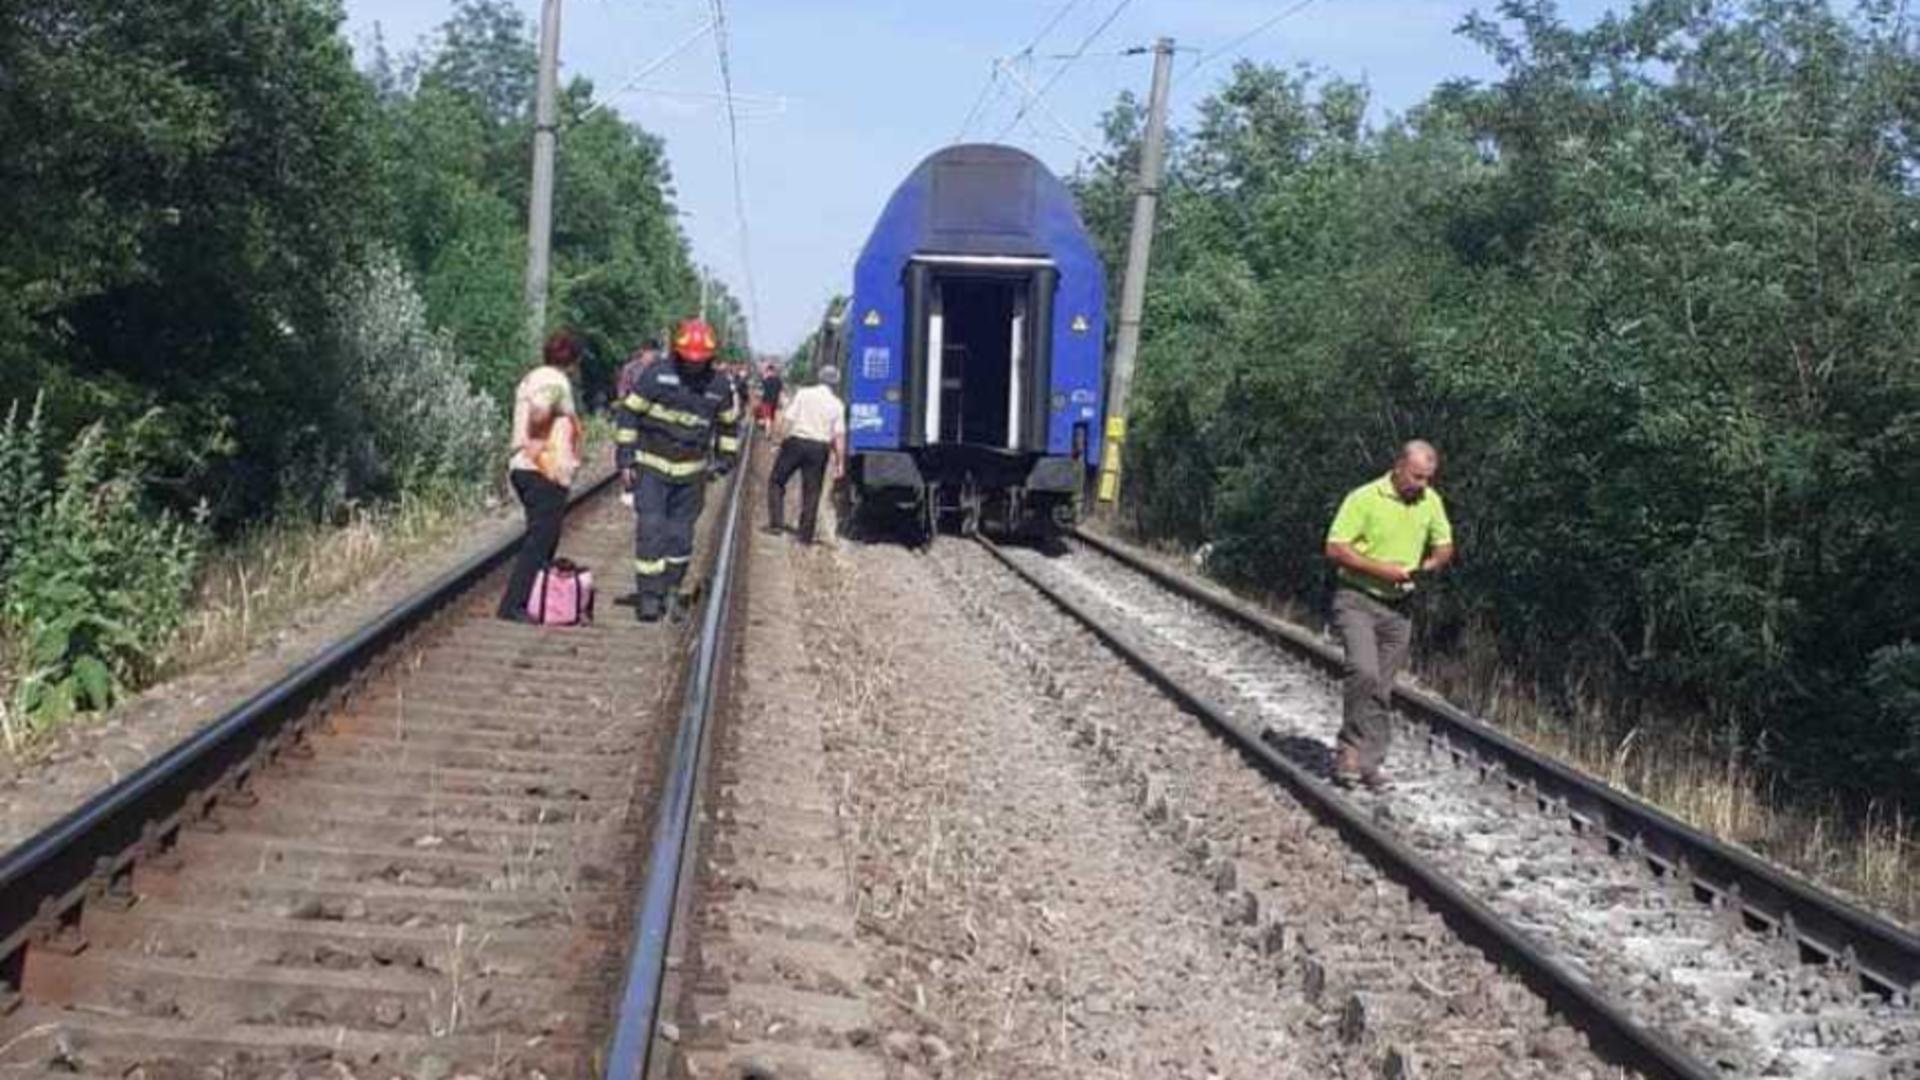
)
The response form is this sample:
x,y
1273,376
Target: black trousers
x,y
545,503
663,546
810,458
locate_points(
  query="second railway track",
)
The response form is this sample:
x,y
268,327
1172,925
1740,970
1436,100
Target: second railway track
x,y
1617,938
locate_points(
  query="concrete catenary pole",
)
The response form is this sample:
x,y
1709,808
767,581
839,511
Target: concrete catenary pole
x,y
546,124
1133,287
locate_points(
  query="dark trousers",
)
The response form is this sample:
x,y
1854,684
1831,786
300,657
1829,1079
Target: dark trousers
x,y
1376,636
663,545
545,503
810,458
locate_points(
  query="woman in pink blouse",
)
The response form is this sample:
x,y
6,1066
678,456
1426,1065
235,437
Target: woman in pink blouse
x,y
546,454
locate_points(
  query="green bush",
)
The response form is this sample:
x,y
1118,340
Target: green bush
x,y
1653,292
92,582
413,411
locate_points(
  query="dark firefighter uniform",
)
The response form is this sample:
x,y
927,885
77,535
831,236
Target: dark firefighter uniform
x,y
676,417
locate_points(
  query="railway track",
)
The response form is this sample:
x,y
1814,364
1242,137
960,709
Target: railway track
x,y
417,856
1594,899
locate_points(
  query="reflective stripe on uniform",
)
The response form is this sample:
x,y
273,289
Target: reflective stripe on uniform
x,y
626,436
730,416
670,467
729,444
676,416
637,404
679,560
650,567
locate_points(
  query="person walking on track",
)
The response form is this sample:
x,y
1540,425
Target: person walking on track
x,y
769,407
675,418
812,433
1386,531
546,453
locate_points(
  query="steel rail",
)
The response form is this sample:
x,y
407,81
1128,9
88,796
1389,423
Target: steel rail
x,y
1612,1032
1886,957
670,852
90,854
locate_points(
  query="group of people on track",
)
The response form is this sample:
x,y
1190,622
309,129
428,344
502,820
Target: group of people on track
x,y
678,423
677,419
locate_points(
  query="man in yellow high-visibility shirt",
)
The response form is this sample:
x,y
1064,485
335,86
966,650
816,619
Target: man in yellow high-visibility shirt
x,y
1386,531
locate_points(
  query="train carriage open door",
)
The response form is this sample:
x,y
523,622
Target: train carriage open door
x,y
980,351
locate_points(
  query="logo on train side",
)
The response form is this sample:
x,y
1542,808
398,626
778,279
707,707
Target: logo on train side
x,y
866,416
1080,324
872,317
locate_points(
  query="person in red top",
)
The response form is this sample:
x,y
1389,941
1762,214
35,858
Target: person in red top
x,y
769,407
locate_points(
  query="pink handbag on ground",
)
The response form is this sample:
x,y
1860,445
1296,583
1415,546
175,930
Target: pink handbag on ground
x,y
562,595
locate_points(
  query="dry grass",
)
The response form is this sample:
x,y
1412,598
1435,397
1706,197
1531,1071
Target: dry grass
x,y
267,580
1674,762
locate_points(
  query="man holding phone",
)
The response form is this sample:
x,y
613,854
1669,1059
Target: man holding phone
x,y
1387,530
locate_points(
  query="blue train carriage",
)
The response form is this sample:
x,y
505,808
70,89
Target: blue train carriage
x,y
975,338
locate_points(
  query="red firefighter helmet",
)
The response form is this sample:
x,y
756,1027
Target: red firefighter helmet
x,y
694,340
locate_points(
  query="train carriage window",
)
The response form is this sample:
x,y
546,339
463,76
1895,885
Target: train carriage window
x,y
982,197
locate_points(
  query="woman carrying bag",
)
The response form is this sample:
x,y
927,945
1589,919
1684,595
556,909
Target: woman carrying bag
x,y
546,454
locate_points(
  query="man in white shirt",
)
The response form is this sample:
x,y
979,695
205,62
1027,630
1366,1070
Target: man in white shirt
x,y
812,430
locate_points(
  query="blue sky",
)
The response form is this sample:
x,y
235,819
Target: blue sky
x,y
848,96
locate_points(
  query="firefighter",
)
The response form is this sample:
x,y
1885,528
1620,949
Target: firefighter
x,y
676,416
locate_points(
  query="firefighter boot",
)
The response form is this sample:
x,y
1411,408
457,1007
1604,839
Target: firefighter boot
x,y
652,605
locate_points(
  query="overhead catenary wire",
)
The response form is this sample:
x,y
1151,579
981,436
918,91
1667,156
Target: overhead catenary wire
x,y
1063,11
667,57
722,46
986,88
766,104
994,72
1290,11
1085,44
1033,98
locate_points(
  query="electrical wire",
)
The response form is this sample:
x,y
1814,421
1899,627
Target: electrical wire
x,y
1294,9
986,88
1085,44
1066,129
634,82
993,75
1064,10
733,144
